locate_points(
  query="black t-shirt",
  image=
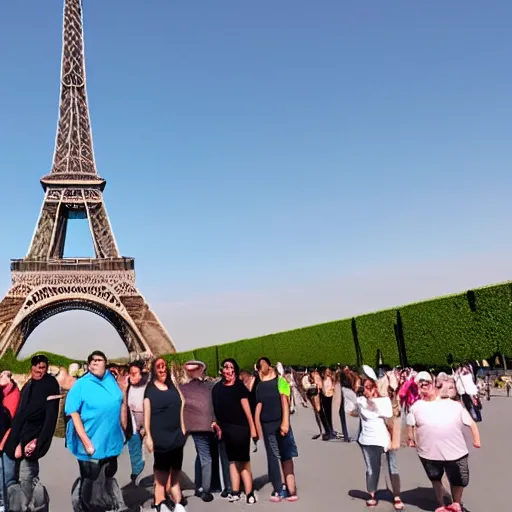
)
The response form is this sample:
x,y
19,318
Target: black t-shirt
x,y
252,395
226,403
165,423
267,393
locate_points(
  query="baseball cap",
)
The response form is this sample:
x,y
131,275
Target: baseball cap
x,y
423,376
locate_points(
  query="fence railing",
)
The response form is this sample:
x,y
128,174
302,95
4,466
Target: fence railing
x,y
73,264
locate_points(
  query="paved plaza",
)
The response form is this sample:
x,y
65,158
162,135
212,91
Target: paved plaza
x,y
329,474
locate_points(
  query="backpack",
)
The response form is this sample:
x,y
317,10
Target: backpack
x,y
19,502
97,495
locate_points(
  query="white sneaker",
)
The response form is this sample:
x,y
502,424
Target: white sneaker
x,y
179,508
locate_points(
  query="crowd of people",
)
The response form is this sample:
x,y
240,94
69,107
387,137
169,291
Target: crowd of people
x,y
153,407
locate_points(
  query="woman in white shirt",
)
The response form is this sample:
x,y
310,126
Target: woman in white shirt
x,y
468,392
375,438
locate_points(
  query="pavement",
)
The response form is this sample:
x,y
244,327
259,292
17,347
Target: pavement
x,y
329,474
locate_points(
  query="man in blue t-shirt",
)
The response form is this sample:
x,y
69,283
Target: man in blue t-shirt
x,y
95,435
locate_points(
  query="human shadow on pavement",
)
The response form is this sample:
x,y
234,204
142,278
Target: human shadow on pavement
x,y
259,482
421,497
136,496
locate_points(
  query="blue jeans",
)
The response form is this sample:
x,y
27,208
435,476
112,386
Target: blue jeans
x,y
8,471
13,471
278,449
218,453
202,442
372,457
224,464
135,451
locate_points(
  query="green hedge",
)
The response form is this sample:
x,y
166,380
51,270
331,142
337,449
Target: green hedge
x,y
473,325
9,362
376,331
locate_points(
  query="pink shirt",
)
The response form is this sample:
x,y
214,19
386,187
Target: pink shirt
x,y
439,429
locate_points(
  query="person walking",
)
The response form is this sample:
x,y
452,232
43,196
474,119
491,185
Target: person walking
x,y
273,424
233,416
200,423
31,433
165,436
10,394
136,387
347,396
375,439
312,392
94,435
326,397
436,429
295,398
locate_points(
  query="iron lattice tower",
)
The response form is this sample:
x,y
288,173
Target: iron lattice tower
x,y
45,283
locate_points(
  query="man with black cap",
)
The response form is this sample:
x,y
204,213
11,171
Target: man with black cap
x,y
33,426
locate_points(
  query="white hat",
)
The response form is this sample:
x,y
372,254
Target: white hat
x,y
368,371
194,366
425,376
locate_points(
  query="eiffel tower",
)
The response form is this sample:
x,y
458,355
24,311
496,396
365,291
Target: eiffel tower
x,y
45,283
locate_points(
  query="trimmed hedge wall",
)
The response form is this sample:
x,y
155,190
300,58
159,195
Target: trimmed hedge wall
x,y
376,331
473,325
19,366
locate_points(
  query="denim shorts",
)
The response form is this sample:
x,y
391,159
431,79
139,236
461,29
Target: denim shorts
x,y
283,447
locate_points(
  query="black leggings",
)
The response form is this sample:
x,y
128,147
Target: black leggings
x,y
326,403
91,469
343,420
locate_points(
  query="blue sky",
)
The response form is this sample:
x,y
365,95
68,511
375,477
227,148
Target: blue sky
x,y
271,164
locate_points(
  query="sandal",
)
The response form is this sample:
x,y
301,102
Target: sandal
x,y
371,503
397,503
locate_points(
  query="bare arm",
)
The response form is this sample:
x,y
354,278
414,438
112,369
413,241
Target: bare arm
x,y
182,417
247,409
410,436
285,418
257,418
476,435
124,413
80,430
147,424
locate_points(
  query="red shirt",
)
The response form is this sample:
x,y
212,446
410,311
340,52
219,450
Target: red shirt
x,y
11,398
